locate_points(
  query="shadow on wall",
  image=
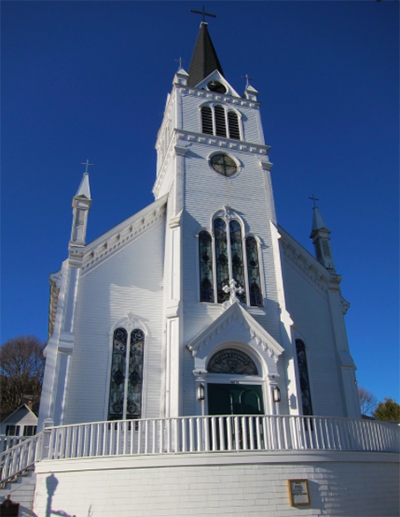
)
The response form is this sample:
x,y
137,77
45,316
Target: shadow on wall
x,y
51,484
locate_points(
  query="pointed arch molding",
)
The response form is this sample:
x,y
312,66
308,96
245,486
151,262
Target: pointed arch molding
x,y
235,325
130,322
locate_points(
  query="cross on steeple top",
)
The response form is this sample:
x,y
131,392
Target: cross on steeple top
x,y
248,79
203,13
180,61
87,165
314,199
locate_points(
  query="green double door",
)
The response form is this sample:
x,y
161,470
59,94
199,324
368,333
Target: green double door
x,y
235,399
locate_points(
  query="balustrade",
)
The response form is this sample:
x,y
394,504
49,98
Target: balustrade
x,y
200,434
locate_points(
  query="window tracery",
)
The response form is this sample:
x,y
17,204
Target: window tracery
x,y
228,256
232,361
126,380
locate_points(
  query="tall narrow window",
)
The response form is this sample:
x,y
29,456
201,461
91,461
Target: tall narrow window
x,y
221,256
233,125
253,271
126,375
304,379
206,272
220,123
237,257
206,120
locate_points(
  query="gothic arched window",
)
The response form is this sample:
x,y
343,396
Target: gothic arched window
x,y
237,257
216,120
253,271
206,270
232,259
303,376
221,259
126,380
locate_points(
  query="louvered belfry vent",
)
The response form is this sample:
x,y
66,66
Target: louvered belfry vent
x,y
233,124
206,120
220,124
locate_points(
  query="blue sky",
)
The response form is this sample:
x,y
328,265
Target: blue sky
x,y
90,79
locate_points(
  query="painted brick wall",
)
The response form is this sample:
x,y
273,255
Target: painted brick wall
x,y
336,488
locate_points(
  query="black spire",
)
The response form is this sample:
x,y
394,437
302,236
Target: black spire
x,y
205,59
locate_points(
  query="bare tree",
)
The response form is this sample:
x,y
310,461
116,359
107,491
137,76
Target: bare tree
x,y
21,372
368,401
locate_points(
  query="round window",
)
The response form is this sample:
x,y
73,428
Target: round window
x,y
223,164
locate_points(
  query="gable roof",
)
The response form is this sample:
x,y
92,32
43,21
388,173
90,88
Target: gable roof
x,y
205,59
5,416
235,324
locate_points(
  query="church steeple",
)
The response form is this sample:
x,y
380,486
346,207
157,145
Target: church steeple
x,y
321,240
205,59
80,209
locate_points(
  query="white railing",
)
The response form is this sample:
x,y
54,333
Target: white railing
x,y
6,442
218,433
200,434
19,458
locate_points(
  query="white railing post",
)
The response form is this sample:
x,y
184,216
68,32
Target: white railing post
x,y
47,453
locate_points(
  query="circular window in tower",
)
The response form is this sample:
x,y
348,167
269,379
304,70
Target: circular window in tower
x,y
216,86
223,164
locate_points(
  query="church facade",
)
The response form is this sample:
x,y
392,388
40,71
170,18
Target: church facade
x,y
198,362
202,290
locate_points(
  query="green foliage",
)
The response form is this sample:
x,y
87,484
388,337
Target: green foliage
x,y
388,411
21,372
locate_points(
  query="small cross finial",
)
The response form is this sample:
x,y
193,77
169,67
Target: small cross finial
x,y
248,79
203,13
87,165
314,200
180,61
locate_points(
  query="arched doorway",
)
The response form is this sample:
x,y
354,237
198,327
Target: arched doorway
x,y
227,394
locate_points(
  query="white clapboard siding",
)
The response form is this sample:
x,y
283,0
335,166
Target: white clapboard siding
x,y
129,281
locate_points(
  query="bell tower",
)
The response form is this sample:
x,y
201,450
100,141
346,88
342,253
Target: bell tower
x,y
213,166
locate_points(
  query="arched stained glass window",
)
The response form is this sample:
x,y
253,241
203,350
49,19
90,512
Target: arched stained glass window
x,y
304,379
237,257
220,124
126,381
253,271
233,125
221,259
232,361
206,271
206,120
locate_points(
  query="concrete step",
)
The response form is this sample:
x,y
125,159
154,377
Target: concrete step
x,y
21,490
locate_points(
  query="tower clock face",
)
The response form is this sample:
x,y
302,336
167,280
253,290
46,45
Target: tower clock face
x,y
223,164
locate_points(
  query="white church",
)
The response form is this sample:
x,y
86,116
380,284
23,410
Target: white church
x,y
198,362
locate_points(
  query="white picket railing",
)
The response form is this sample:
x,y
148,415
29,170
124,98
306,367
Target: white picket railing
x,y
218,433
200,434
6,442
20,457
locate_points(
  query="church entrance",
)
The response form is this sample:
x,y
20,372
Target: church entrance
x,y
235,399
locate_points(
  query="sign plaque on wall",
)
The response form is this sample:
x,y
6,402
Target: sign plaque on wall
x,y
298,492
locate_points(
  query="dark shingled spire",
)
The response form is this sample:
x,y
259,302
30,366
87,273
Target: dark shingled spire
x,y
205,59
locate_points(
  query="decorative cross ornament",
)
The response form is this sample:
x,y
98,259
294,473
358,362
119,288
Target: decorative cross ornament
x,y
232,289
248,79
180,61
314,200
87,165
203,13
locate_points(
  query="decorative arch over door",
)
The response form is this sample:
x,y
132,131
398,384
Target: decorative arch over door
x,y
235,397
